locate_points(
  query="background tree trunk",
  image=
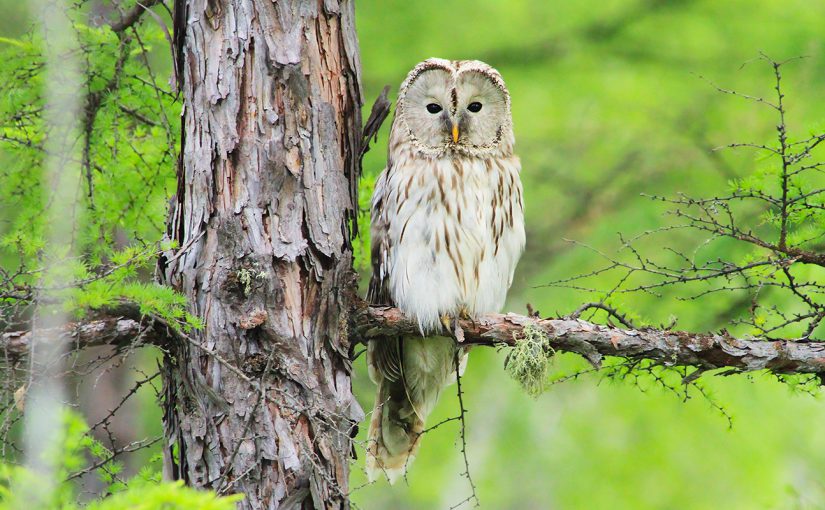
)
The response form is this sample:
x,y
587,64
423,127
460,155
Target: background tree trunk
x,y
259,401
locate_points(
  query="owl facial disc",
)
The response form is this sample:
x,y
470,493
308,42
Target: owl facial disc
x,y
458,106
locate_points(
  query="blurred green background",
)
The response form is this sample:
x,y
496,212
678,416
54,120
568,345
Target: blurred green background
x,y
608,103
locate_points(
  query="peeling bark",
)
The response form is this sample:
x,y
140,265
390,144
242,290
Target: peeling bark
x,y
271,131
112,331
594,341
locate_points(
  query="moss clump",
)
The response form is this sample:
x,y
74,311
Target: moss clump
x,y
246,277
528,360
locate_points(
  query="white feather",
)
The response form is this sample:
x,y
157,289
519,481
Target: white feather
x,y
424,282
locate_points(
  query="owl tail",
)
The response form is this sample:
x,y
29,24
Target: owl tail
x,y
394,433
402,405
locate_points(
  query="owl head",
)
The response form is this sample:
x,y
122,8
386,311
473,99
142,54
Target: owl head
x,y
455,106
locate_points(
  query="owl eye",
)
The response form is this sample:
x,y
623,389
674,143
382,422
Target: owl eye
x,y
474,107
433,108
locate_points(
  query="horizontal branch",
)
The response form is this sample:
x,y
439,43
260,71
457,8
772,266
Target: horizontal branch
x,y
594,341
591,341
116,331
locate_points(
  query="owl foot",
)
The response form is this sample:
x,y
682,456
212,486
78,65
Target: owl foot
x,y
465,315
450,323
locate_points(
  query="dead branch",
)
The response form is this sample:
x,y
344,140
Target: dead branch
x,y
117,331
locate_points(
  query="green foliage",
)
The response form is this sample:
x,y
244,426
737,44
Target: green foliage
x,y
18,485
124,161
152,495
608,103
125,156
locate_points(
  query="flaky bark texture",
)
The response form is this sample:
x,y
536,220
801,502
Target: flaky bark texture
x,y
594,341
114,331
271,139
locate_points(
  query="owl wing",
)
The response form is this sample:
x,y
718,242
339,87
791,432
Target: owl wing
x,y
379,289
383,356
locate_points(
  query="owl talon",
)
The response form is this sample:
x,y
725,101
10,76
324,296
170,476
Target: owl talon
x,y
447,321
464,314
451,324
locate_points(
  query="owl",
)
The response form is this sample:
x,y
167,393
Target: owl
x,y
447,227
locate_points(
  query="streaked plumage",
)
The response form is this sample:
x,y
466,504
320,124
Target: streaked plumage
x,y
447,231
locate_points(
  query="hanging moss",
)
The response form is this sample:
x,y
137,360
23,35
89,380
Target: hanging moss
x,y
528,360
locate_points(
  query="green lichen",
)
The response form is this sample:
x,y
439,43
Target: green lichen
x,y
246,276
528,361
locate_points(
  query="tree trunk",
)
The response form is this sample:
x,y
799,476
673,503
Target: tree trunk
x,y
259,400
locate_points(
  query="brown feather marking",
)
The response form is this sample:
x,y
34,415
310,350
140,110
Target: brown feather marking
x,y
496,228
501,186
407,188
448,243
404,229
458,274
459,254
510,212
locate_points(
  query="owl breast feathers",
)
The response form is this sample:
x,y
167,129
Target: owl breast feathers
x,y
447,213
447,232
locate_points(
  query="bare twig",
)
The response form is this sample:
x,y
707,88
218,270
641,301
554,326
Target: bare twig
x,y
462,413
133,15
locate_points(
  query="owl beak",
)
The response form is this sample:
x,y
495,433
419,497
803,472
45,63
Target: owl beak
x,y
455,133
